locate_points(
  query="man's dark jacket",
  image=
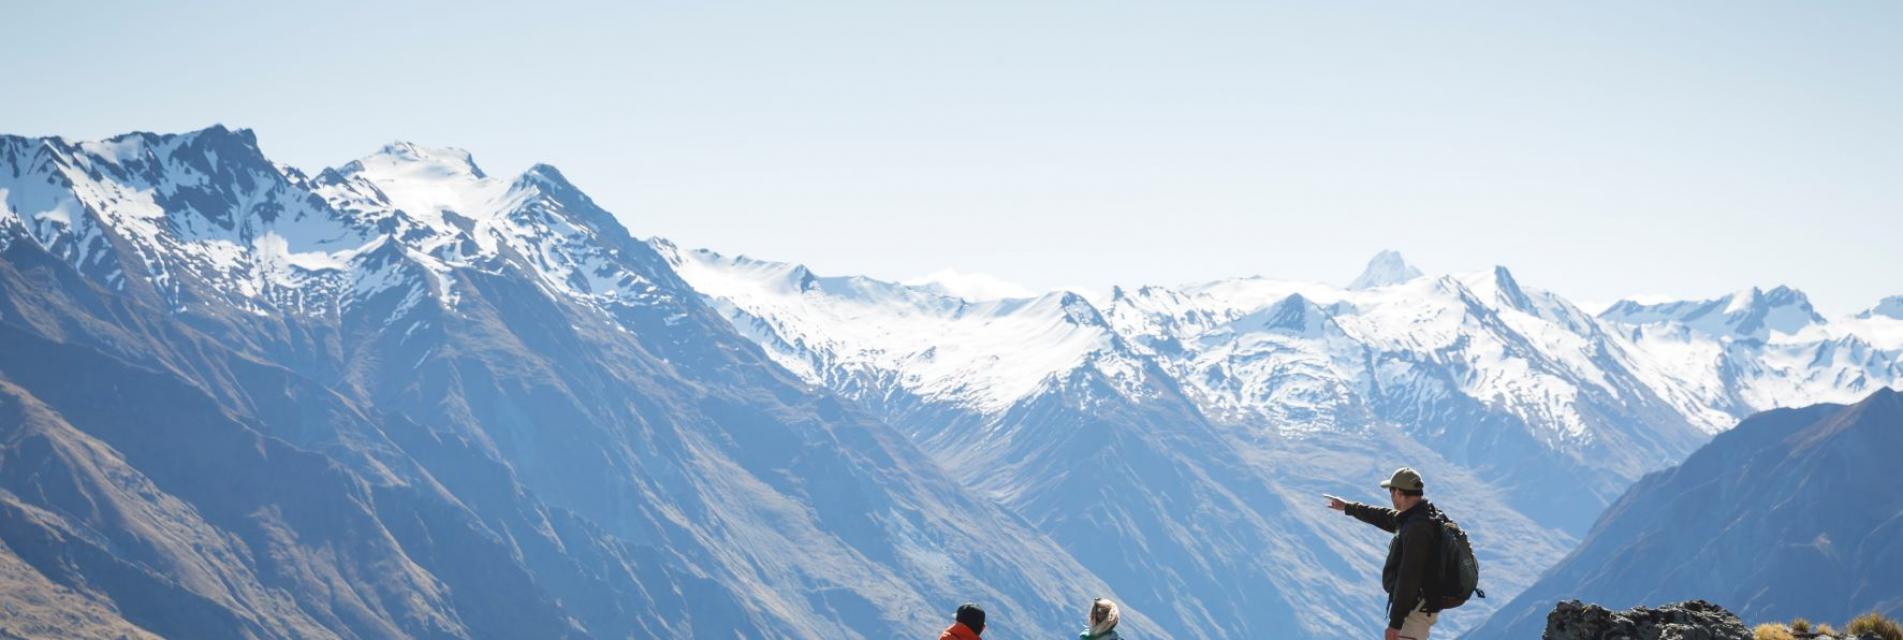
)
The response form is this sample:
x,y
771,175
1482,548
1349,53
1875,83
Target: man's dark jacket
x,y
1410,554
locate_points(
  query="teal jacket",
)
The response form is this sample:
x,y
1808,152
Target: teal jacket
x,y
1107,635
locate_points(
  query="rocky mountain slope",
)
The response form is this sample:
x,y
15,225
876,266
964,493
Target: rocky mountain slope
x,y
403,398
1793,513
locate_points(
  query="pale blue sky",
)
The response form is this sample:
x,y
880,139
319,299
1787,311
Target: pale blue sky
x,y
1598,149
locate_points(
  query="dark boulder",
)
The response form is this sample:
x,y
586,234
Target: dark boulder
x,y
1689,620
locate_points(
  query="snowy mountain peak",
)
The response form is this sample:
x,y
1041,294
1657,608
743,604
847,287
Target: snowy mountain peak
x,y
1642,311
423,182
1078,308
1509,292
885,340
545,181
220,136
1755,312
1752,313
214,136
546,176
1891,307
1755,297
208,216
1386,268
215,156
419,159
195,216
1293,315
202,148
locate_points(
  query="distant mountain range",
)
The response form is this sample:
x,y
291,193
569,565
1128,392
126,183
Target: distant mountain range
x,y
1510,394
1793,514
404,398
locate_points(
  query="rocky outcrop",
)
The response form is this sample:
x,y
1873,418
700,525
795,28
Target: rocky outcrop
x,y
1689,620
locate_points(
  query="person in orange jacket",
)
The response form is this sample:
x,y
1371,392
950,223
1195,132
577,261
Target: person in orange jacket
x,y
970,624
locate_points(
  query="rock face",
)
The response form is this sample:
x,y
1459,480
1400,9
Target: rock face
x,y
1689,620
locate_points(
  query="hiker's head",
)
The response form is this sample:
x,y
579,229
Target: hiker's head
x,y
1405,488
972,617
1103,616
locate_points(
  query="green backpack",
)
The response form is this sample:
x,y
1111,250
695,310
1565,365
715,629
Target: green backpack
x,y
1457,573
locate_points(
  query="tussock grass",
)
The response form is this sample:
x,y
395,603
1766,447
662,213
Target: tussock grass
x,y
1876,624
1771,631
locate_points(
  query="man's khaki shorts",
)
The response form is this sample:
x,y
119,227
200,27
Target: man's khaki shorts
x,y
1417,623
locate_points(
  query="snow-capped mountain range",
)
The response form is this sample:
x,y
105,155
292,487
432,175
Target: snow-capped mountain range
x,y
1298,356
1756,350
679,408
211,208
402,398
1293,357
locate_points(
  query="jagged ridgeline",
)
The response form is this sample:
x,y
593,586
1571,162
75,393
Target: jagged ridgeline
x,y
406,398
403,398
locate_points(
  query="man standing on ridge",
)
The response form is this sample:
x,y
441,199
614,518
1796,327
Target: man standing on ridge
x,y
1411,553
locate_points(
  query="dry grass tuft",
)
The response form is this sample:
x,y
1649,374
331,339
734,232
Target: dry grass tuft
x,y
1875,624
1771,631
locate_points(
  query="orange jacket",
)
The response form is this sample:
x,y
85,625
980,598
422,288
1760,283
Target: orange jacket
x,y
958,631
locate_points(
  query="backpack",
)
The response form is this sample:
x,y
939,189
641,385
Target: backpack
x,y
1456,575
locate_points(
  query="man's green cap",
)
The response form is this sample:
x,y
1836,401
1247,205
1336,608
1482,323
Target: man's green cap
x,y
1405,479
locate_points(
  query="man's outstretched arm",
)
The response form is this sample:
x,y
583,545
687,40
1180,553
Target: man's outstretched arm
x,y
1386,519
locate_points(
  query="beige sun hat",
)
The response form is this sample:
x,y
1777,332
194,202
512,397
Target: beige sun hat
x,y
1405,479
